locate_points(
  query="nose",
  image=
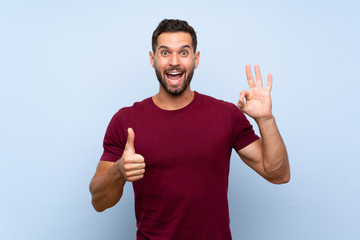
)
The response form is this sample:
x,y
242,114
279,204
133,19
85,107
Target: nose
x,y
174,60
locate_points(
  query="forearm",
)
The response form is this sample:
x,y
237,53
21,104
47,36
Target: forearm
x,y
107,189
274,154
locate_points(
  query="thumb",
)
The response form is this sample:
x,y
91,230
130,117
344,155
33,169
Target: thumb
x,y
129,147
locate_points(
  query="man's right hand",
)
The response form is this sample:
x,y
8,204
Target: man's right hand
x,y
131,165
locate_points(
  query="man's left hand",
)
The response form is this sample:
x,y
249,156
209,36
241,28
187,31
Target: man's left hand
x,y
256,102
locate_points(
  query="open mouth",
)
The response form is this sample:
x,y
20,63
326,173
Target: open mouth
x,y
174,76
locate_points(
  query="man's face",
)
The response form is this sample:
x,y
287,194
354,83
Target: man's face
x,y
174,61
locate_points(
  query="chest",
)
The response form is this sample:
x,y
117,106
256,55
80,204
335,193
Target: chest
x,y
183,141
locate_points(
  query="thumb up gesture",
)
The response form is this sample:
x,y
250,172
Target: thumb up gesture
x,y
131,165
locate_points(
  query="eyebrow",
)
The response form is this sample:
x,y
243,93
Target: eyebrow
x,y
166,47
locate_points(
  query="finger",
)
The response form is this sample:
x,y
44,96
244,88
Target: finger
x,y
241,103
129,147
131,165
258,76
269,83
249,76
134,159
243,95
135,178
134,173
134,166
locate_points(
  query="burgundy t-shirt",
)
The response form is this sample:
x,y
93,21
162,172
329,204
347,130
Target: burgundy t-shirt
x,y
183,194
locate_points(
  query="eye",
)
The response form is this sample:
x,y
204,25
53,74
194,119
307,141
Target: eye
x,y
184,53
165,53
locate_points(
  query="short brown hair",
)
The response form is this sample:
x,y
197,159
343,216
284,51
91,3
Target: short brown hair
x,y
173,25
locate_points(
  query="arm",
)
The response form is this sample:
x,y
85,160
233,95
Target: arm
x,y
267,156
107,185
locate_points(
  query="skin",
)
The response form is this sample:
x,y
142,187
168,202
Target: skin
x,y
174,50
107,185
267,156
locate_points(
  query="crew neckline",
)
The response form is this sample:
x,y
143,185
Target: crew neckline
x,y
196,95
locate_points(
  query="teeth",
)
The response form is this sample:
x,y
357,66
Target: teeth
x,y
174,73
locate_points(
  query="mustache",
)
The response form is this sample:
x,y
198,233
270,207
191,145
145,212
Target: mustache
x,y
174,69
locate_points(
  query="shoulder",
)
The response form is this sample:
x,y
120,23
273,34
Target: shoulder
x,y
225,109
120,120
217,103
136,107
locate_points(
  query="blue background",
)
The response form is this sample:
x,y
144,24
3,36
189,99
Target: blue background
x,y
67,66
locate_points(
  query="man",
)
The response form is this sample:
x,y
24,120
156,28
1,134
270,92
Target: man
x,y
178,162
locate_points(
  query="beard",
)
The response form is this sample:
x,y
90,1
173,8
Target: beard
x,y
175,90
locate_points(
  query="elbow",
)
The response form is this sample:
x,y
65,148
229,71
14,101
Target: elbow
x,y
280,178
97,201
285,180
97,207
279,174
101,202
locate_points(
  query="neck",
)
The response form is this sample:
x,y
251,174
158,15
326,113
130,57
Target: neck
x,y
166,101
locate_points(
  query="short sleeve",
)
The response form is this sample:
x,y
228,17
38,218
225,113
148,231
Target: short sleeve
x,y
242,130
114,140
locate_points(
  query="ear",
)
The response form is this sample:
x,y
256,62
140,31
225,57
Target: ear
x,y
197,58
152,55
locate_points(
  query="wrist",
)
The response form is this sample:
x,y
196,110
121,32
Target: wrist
x,y
117,171
265,120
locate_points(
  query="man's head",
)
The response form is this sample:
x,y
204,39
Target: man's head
x,y
173,25
174,55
